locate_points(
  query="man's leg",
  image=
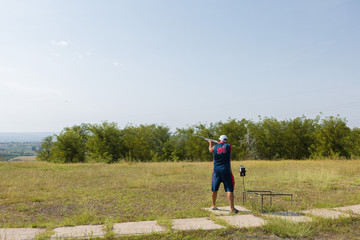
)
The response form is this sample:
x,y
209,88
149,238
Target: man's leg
x,y
230,196
229,188
213,198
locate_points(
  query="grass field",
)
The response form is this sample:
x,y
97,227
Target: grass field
x,y
40,194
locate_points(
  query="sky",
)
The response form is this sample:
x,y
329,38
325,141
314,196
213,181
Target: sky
x,y
176,63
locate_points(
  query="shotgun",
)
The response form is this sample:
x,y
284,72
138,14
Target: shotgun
x,y
207,139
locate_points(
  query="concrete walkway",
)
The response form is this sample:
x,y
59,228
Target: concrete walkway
x,y
241,220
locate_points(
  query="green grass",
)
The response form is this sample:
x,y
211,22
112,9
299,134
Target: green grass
x,y
321,228
40,194
286,228
165,222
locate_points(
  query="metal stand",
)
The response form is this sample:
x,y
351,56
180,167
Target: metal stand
x,y
266,193
243,182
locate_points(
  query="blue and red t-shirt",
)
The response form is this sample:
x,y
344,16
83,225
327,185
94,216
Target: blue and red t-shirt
x,y
221,154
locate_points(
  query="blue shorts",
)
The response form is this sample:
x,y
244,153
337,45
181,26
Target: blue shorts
x,y
227,179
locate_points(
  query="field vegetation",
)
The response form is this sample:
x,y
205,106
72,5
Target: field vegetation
x,y
42,194
10,150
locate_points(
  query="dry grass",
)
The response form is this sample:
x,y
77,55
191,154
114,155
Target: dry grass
x,y
39,194
314,183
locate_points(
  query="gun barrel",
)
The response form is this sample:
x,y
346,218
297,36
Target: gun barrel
x,y
207,138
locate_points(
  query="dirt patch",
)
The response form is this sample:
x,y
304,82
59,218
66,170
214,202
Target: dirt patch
x,y
36,213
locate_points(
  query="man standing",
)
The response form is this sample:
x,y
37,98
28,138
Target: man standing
x,y
222,172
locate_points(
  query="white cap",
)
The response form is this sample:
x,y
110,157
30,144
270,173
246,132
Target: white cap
x,y
223,138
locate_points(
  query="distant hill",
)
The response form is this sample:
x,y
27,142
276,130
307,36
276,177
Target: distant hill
x,y
24,137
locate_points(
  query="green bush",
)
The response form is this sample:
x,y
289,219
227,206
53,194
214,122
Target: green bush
x,y
268,139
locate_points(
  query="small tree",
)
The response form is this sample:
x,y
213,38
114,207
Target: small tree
x,y
250,144
69,147
147,142
106,144
332,138
45,153
353,143
299,137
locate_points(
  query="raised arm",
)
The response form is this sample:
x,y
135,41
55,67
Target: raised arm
x,y
210,146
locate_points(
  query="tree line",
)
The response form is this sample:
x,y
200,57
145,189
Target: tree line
x,y
265,139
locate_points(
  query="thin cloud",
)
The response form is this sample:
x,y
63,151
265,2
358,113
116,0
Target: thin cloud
x,y
60,43
117,64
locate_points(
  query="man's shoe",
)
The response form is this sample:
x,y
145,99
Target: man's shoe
x,y
235,211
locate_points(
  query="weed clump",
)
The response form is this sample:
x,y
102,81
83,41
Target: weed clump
x,y
285,228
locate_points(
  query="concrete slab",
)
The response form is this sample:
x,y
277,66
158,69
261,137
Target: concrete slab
x,y
137,228
19,233
195,224
226,210
326,213
242,221
353,209
290,216
85,231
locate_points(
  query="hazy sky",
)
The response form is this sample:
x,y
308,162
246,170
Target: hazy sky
x,y
176,62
